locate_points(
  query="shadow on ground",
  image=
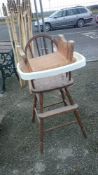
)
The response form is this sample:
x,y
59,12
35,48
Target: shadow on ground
x,y
67,152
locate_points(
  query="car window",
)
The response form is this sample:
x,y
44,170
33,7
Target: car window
x,y
72,12
54,14
59,14
82,10
75,11
64,12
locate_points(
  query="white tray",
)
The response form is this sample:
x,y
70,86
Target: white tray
x,y
80,62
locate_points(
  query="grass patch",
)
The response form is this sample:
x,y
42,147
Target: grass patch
x,y
95,11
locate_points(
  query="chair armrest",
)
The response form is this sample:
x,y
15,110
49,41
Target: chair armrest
x,y
23,61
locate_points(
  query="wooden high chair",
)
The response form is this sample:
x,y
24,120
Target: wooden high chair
x,y
48,62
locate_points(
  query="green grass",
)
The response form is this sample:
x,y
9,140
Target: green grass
x,y
95,11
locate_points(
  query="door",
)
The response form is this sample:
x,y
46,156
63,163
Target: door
x,y
57,20
71,17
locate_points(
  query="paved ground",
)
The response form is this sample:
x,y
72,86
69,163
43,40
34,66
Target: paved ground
x,y
67,152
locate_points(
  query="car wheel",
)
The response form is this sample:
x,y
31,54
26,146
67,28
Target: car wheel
x,y
80,23
47,27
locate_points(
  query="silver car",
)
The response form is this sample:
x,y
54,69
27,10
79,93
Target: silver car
x,y
75,16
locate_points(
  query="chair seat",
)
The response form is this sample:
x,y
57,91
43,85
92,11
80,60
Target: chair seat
x,y
51,83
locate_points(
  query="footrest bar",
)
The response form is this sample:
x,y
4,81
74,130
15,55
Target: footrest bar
x,y
57,111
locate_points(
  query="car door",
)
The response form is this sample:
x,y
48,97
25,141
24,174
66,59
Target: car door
x,y
58,20
70,17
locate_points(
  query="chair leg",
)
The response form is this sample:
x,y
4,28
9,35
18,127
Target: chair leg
x,y
34,106
41,135
69,96
41,102
63,97
41,124
77,113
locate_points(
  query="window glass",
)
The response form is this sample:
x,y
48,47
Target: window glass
x,y
82,10
64,12
72,12
56,14
75,11
59,14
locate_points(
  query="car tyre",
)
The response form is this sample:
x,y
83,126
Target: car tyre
x,y
47,27
80,23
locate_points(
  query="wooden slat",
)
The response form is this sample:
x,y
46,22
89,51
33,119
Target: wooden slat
x,y
57,111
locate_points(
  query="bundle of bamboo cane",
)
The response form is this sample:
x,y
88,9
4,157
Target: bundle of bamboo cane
x,y
19,21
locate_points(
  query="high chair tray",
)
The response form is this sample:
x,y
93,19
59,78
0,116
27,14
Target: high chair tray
x,y
80,61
